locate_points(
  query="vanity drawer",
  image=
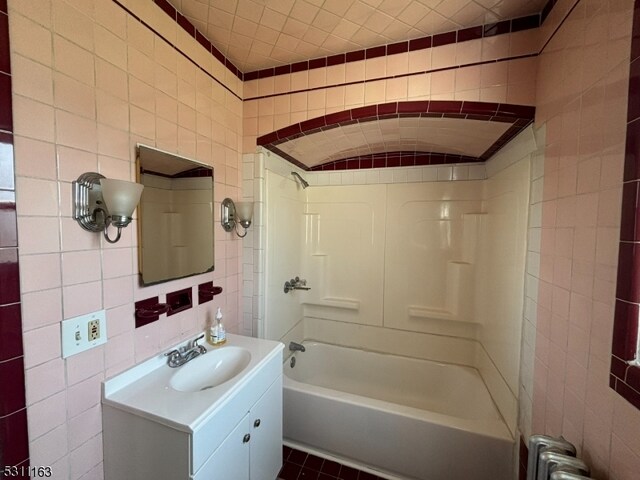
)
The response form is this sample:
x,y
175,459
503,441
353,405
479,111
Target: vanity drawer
x,y
210,435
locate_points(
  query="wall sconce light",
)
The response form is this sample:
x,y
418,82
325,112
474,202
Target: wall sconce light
x,y
234,214
99,202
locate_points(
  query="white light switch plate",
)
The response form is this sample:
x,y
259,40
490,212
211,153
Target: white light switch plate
x,y
75,333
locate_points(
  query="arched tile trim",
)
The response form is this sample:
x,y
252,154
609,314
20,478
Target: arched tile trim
x,y
519,116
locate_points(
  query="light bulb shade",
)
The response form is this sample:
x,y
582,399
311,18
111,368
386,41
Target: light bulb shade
x,y
244,211
120,197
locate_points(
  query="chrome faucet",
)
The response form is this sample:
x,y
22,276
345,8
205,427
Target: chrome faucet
x,y
181,355
296,347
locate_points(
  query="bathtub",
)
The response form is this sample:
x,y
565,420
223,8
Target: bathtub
x,y
403,417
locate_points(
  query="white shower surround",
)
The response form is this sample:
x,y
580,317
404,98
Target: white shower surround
x,y
406,417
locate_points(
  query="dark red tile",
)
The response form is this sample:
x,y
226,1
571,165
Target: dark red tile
x,y
9,276
299,67
204,41
283,70
314,462
367,476
337,117
413,106
629,218
14,438
472,33
331,468
324,476
290,471
444,39
308,474
438,159
285,452
318,63
628,284
520,111
336,59
364,112
6,117
340,165
387,108
444,106
633,110
633,377
618,367
8,226
374,52
186,25
419,43
3,6
635,38
613,381
5,63
496,28
399,47
266,73
379,162
10,332
288,132
348,473
268,138
312,124
366,163
631,395
353,164
12,379
625,330
167,8
525,23
297,456
479,108
355,56
218,54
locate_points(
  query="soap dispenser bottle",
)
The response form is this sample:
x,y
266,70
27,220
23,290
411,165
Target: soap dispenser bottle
x,y
217,334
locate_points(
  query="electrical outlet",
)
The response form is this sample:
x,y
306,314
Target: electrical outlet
x,y
83,332
94,330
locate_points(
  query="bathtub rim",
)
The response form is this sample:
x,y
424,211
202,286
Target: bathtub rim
x,y
497,429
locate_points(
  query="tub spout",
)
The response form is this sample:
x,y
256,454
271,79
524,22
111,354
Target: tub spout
x,y
296,347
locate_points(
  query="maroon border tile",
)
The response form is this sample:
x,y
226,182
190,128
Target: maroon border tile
x,y
10,332
5,62
12,379
6,115
3,7
14,438
9,276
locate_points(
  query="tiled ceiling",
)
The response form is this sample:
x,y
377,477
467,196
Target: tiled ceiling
x,y
256,34
408,134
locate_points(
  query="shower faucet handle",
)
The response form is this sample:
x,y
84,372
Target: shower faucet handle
x,y
295,284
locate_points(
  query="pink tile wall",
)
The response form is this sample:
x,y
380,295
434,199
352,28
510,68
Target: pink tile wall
x,y
582,100
13,413
91,81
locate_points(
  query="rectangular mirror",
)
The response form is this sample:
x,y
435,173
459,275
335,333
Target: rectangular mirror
x,y
175,216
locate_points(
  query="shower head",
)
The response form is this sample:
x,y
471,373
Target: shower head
x,y
304,183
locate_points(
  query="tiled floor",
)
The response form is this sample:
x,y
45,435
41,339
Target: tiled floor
x,y
299,465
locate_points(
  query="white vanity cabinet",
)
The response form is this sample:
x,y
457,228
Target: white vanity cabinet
x,y
253,450
229,432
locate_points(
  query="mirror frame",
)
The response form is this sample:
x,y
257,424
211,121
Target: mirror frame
x,y
141,281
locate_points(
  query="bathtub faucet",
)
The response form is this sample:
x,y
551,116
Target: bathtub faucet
x,y
296,347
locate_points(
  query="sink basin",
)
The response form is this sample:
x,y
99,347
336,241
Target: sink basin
x,y
211,369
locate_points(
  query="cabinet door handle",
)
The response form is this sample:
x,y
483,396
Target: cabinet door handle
x,y
246,438
256,424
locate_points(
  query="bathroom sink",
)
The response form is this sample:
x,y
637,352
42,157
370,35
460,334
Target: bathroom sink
x,y
211,369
